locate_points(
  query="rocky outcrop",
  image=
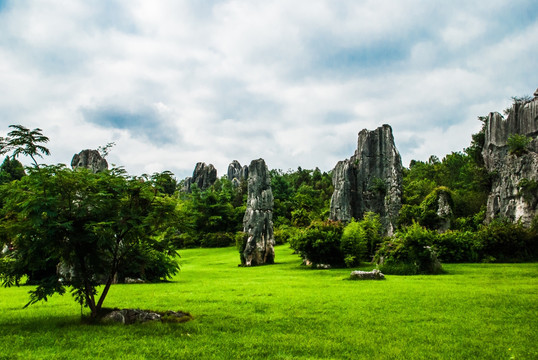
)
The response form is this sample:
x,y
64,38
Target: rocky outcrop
x,y
515,174
137,316
237,173
89,159
371,180
258,219
203,176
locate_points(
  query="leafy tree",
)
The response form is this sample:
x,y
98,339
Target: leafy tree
x,y
24,141
11,170
80,229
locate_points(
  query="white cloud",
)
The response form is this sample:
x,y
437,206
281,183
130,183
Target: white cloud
x,y
290,81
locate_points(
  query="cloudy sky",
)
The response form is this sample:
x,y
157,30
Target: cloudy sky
x,y
176,82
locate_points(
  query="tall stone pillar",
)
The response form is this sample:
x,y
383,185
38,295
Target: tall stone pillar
x,y
258,219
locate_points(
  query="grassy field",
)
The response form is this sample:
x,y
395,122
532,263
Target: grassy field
x,y
284,311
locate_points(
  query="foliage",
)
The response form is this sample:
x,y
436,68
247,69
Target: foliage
x,y
105,150
529,190
320,243
517,144
11,169
300,196
460,174
212,240
24,141
214,215
336,244
409,252
429,206
457,246
503,241
87,225
360,239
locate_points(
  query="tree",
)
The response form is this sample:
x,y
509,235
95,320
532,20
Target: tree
x,y
24,141
78,229
11,170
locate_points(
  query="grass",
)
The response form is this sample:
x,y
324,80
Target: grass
x,y
284,311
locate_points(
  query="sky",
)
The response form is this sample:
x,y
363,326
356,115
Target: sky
x,y
175,82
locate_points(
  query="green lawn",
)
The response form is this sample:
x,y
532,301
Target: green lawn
x,y
285,311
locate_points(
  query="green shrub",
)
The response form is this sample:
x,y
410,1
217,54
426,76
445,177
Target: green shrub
x,y
428,208
517,144
214,240
320,243
284,233
457,246
409,252
149,265
360,239
354,243
508,242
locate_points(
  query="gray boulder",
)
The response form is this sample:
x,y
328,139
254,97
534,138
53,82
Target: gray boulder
x,y
203,176
371,180
258,219
508,198
89,159
367,275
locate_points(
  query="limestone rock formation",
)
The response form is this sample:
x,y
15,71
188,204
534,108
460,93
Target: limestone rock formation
x,y
371,180
203,176
90,159
444,211
236,173
509,199
258,219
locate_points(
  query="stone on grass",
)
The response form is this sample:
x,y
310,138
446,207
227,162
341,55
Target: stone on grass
x,y
367,275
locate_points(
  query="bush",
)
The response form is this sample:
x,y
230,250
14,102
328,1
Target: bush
x,y
149,265
409,252
360,239
284,233
517,144
503,241
214,240
457,246
354,243
320,243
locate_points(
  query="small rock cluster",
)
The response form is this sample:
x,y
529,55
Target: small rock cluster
x,y
367,275
134,316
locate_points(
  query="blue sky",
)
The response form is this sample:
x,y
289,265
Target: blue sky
x,y
177,82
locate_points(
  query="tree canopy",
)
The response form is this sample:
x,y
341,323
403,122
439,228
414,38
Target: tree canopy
x,y
22,140
72,228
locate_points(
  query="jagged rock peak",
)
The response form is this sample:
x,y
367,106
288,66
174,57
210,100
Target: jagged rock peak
x,y
371,180
90,159
258,219
508,199
203,176
236,173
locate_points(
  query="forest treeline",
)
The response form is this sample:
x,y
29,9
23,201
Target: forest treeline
x,y
302,201
214,217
